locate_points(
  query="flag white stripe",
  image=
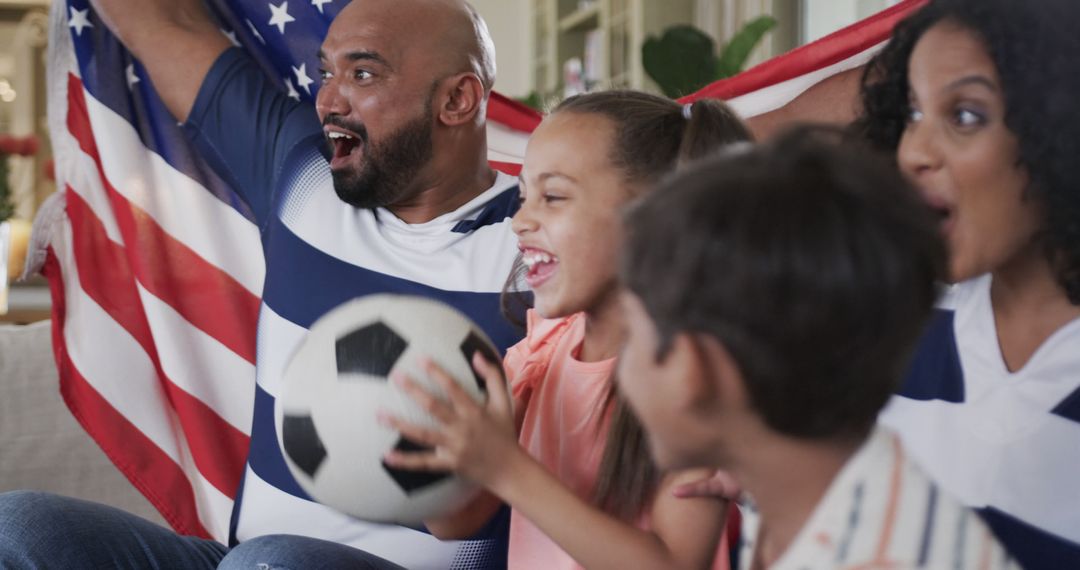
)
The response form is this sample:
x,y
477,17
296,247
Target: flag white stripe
x,y
219,378
506,144
182,207
109,355
775,96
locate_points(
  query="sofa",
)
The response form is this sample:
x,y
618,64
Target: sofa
x,y
42,447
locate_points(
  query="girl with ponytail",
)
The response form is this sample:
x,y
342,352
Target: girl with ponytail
x,y
554,440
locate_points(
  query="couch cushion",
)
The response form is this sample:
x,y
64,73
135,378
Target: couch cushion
x,y
42,447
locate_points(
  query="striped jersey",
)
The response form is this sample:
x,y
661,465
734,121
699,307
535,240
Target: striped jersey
x,y
881,511
321,252
1005,443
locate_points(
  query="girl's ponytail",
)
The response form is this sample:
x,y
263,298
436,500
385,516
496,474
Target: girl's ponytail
x,y
710,124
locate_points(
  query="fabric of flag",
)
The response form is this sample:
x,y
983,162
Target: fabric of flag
x,y
155,264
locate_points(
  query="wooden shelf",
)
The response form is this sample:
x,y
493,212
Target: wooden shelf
x,y
584,18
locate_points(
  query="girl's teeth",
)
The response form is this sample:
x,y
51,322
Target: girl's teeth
x,y
531,259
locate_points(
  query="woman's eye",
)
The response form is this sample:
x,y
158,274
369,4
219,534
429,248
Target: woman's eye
x,y
552,198
914,115
967,118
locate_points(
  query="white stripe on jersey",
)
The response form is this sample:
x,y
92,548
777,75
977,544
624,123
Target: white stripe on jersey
x,y
428,253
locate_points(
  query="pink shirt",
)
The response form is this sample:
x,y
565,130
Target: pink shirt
x,y
564,425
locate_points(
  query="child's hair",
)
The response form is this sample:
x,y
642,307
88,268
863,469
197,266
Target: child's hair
x,y
810,259
653,136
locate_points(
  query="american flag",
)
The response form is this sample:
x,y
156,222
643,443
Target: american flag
x,y
155,264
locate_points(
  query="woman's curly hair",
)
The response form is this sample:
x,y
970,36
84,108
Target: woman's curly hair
x,y
1036,49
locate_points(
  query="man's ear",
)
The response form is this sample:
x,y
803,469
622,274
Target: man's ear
x,y
722,384
462,99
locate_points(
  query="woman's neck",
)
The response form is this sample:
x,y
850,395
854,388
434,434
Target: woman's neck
x,y
1029,306
604,330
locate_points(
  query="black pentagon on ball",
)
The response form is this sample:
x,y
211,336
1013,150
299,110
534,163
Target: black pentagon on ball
x,y
470,346
372,350
412,481
302,443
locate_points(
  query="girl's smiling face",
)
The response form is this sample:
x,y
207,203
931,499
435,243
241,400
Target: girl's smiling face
x,y
568,226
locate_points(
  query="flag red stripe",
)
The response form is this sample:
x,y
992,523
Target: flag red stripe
x,y
513,169
217,447
206,296
149,468
834,48
512,114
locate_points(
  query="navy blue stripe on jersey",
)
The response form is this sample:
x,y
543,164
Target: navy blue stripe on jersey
x,y
264,455
336,281
103,62
935,373
1069,407
501,207
1030,546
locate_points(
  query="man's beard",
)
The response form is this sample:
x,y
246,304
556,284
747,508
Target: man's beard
x,y
389,167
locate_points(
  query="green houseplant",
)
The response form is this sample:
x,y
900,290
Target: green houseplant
x,y
684,58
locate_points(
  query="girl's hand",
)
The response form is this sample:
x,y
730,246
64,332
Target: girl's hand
x,y
476,441
720,485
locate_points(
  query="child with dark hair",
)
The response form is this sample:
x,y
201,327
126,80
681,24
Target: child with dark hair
x,y
583,489
773,297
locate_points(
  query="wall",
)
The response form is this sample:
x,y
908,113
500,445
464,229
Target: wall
x,y
508,21
822,17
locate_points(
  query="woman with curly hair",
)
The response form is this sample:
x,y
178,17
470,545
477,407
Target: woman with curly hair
x,y
978,99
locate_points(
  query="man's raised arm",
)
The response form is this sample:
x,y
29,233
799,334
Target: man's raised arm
x,y
175,40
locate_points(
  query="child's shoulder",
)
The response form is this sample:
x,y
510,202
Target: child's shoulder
x,y
531,356
544,334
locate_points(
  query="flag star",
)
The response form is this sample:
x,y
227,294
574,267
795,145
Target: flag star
x,y
231,36
255,32
80,20
302,78
280,16
132,79
293,94
319,4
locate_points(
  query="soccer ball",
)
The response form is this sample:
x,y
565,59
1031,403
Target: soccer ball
x,y
335,383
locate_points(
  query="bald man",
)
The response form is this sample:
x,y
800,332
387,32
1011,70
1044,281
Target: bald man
x,y
382,187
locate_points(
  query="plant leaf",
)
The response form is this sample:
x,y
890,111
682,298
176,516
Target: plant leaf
x,y
681,61
737,51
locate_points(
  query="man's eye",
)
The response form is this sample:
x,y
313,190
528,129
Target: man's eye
x,y
324,74
362,74
553,198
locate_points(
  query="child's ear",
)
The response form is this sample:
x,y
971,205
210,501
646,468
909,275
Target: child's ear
x,y
721,379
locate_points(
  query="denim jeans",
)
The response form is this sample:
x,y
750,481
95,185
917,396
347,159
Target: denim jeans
x,y
44,531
